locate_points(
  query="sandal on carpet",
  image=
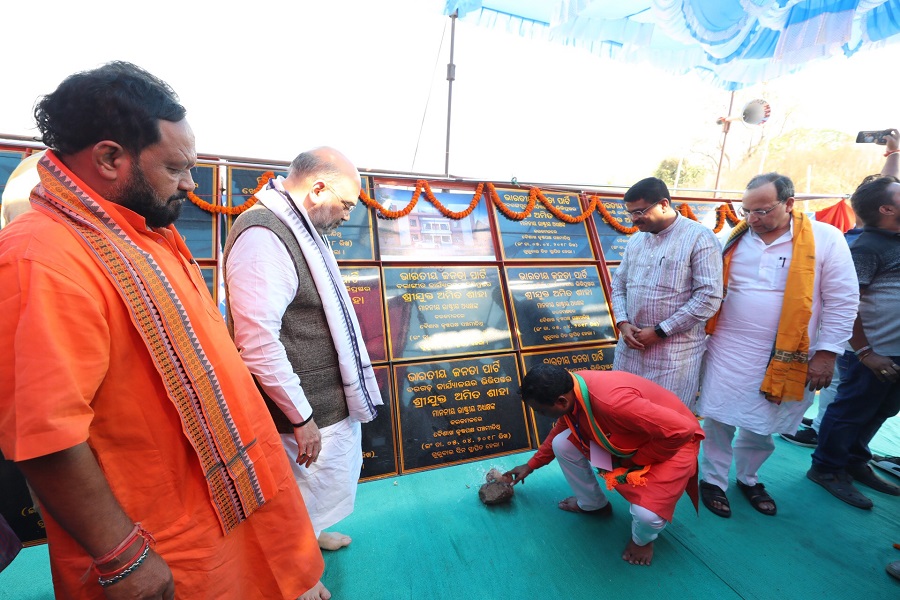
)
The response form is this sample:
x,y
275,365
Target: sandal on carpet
x,y
710,493
758,496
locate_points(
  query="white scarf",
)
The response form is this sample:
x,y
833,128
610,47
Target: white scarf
x,y
360,385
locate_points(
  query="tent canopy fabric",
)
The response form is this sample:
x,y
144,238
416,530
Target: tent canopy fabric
x,y
731,43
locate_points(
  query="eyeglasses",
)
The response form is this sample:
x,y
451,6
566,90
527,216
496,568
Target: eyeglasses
x,y
744,213
642,211
348,206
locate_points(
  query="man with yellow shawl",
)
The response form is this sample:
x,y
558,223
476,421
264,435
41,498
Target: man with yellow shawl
x,y
790,299
640,436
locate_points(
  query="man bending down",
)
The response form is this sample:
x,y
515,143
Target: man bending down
x,y
641,437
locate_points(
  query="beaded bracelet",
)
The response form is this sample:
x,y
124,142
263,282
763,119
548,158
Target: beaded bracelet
x,y
127,571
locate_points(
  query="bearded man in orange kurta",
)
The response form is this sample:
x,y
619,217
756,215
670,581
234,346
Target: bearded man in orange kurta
x,y
122,398
639,436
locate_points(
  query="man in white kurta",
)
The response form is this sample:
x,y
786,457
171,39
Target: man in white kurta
x,y
297,331
668,284
739,350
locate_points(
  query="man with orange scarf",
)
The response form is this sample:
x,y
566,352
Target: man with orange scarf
x,y
639,435
790,299
122,399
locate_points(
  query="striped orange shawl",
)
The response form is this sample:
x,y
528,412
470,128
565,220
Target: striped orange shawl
x,y
162,322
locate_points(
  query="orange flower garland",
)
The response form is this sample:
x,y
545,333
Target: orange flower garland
x,y
509,214
612,222
723,212
563,216
422,185
232,210
685,209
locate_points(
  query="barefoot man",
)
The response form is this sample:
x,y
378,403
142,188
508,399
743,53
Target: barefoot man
x,y
642,439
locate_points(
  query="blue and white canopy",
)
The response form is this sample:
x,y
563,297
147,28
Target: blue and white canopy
x,y
732,43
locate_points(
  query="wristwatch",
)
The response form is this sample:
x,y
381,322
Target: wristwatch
x,y
658,330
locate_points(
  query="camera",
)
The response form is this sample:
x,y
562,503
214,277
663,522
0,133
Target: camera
x,y
873,137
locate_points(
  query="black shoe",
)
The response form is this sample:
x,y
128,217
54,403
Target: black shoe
x,y
865,475
804,437
840,485
806,421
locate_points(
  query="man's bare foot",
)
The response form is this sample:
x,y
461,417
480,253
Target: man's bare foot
x,y
570,504
333,541
318,592
638,555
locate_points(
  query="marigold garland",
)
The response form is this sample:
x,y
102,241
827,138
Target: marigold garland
x,y
685,209
723,211
505,210
423,186
232,210
612,222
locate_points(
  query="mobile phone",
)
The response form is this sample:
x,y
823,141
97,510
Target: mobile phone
x,y
873,137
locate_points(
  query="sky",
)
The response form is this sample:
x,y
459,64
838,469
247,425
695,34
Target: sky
x,y
268,79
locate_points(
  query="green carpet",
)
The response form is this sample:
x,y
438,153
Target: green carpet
x,y
427,536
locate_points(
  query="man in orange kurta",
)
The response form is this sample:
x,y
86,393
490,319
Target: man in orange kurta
x,y
105,322
639,435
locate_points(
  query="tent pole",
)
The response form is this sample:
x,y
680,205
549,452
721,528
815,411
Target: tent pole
x,y
451,75
726,125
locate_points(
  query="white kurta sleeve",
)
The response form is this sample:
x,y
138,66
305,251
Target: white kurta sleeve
x,y
262,282
838,296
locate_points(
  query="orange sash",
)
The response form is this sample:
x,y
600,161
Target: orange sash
x,y
633,475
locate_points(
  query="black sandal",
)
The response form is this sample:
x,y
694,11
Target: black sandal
x,y
710,493
757,496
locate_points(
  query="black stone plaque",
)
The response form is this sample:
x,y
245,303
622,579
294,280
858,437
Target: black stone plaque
x,y
611,241
378,446
243,182
594,359
17,507
559,305
443,311
364,287
196,225
540,235
459,410
355,239
427,235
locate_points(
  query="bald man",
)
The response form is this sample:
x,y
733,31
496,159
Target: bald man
x,y
295,326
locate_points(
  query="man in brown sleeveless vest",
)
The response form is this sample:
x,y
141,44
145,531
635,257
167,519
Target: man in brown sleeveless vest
x,y
293,322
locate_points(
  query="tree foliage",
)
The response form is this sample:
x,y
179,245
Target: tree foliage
x,y
689,176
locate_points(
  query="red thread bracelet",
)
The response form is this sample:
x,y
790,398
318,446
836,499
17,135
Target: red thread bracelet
x,y
126,565
889,152
113,554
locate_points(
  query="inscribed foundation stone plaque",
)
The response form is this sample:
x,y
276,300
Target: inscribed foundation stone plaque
x,y
459,410
440,311
559,305
378,448
540,235
364,288
583,359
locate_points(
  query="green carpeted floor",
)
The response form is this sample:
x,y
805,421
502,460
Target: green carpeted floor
x,y
427,536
